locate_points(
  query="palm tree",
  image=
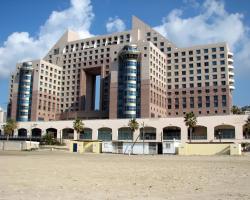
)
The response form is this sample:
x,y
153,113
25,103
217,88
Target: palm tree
x,y
9,127
236,110
133,125
78,126
190,121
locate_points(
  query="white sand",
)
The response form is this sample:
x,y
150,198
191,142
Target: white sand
x,y
62,175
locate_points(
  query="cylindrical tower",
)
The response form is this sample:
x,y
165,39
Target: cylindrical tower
x,y
24,92
128,87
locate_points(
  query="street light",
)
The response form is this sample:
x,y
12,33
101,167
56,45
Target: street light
x,y
143,124
219,134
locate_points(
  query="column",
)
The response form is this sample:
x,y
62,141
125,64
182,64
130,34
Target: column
x,y
94,134
184,134
239,132
210,133
114,134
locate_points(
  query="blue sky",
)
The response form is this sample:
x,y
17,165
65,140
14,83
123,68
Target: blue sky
x,y
29,28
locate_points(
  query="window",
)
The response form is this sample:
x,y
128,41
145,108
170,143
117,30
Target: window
x,y
191,102
222,62
224,100
199,101
215,101
223,82
168,145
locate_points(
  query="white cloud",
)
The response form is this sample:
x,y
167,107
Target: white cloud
x,y
115,25
21,46
213,24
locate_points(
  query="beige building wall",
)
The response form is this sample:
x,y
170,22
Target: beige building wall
x,y
210,122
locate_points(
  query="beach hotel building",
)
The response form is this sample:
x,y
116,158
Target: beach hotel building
x,y
141,75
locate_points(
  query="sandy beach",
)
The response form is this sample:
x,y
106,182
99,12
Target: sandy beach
x,y
62,175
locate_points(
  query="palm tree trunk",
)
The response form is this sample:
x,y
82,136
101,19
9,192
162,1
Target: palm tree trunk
x,y
132,146
190,136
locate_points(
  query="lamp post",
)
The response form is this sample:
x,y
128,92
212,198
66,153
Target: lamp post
x,y
143,136
219,134
60,132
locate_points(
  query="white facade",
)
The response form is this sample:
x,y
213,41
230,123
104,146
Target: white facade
x,y
170,147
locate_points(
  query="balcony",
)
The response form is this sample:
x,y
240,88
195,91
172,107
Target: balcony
x,y
231,77
231,87
231,67
230,61
231,73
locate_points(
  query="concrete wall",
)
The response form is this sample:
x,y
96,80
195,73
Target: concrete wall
x,y
173,147
209,149
18,145
107,147
86,146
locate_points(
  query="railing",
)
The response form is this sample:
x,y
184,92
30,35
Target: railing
x,y
171,137
24,138
246,137
198,137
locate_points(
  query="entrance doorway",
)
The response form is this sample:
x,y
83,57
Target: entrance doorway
x,y
160,148
74,147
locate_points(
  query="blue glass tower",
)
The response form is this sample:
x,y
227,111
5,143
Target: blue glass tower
x,y
24,92
129,82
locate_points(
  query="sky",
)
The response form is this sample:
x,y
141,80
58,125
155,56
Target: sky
x,y
30,28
